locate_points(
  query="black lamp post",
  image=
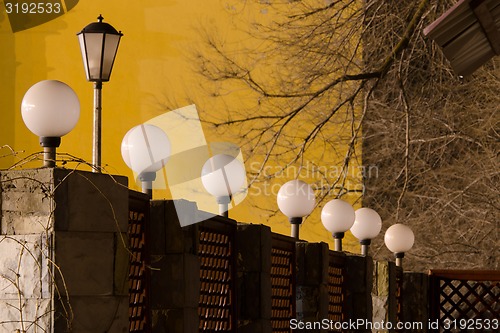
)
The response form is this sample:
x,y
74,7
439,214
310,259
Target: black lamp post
x,y
99,43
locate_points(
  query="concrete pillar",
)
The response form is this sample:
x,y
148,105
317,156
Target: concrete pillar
x,y
253,247
312,282
382,295
416,299
175,269
359,282
63,251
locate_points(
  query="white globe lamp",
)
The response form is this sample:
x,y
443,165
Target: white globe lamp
x,y
337,217
223,176
296,199
399,239
367,225
50,109
146,149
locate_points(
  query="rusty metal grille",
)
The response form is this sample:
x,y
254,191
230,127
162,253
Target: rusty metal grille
x,y
282,282
460,298
336,297
139,319
217,263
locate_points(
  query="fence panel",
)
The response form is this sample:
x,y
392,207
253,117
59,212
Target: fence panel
x,y
216,250
139,316
282,282
465,300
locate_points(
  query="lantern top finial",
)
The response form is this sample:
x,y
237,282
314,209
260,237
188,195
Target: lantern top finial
x,y
100,27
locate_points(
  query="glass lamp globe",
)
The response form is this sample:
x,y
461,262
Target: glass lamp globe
x,y
337,216
50,108
296,199
399,238
145,148
367,224
223,175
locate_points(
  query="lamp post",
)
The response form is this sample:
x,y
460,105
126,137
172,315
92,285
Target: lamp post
x,y
337,217
145,149
223,176
399,239
50,109
296,199
99,43
367,225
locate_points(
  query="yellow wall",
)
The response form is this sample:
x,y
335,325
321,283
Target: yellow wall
x,y
151,66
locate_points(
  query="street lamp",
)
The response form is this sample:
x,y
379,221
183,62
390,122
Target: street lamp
x,y
50,109
145,149
296,199
98,42
399,239
223,176
337,217
367,225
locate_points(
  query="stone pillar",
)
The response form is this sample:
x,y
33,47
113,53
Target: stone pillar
x,y
384,293
253,246
359,282
175,269
312,282
416,299
63,246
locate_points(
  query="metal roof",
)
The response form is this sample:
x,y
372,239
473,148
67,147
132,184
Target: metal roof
x,y
468,34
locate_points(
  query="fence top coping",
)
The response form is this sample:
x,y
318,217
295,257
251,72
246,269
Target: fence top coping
x,y
138,195
339,254
283,242
219,222
473,275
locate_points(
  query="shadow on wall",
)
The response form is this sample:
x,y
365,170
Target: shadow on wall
x,y
26,15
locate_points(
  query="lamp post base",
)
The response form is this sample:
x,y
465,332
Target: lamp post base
x,y
147,179
337,241
365,245
295,225
49,157
399,258
49,145
224,205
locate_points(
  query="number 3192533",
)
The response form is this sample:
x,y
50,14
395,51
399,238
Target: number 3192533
x,y
32,8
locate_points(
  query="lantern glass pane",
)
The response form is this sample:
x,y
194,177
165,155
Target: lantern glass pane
x,y
93,42
109,55
81,39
